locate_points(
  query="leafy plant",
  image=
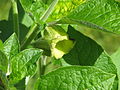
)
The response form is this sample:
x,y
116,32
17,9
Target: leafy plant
x,y
42,34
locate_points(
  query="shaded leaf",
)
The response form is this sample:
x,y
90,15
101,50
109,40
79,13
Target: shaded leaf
x,y
85,51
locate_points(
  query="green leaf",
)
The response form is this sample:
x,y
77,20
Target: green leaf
x,y
3,62
1,45
85,51
105,63
116,61
24,64
100,14
3,81
34,8
76,78
11,46
20,85
64,7
5,29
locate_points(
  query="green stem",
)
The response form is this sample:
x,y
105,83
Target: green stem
x,y
49,11
34,30
42,65
15,17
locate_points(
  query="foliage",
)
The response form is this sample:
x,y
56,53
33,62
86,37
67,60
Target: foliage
x,y
41,41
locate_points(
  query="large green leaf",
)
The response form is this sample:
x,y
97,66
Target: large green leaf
x,y
116,60
3,81
11,46
76,78
24,64
101,14
85,51
3,62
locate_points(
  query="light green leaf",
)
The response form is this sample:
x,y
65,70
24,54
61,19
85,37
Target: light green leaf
x,y
85,51
3,62
64,7
100,14
24,64
116,61
11,46
76,78
105,63
1,45
4,9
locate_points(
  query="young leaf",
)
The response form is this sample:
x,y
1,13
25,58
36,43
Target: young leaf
x,y
24,64
3,62
11,46
85,51
100,14
76,78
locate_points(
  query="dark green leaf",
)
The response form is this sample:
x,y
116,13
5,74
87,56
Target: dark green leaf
x,y
85,51
76,78
20,85
24,64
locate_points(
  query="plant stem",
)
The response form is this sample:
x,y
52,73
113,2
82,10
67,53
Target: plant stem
x,y
49,11
15,17
34,30
42,65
